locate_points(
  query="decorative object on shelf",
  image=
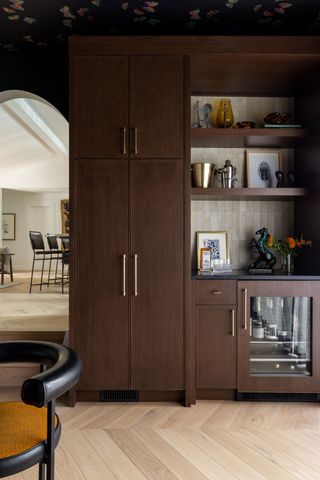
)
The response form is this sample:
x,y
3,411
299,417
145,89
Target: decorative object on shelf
x,y
261,168
266,260
203,174
227,175
217,243
225,116
245,124
196,107
8,226
291,179
280,178
288,249
205,258
277,118
207,109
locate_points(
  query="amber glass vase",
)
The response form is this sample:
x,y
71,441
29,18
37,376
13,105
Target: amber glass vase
x,y
225,116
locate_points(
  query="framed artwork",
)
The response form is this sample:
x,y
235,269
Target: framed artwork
x,y
65,211
218,245
8,226
261,168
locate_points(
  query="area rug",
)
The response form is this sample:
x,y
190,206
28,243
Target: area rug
x,y
8,285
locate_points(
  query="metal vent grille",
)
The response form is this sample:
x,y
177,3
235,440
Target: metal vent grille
x,y
119,396
277,397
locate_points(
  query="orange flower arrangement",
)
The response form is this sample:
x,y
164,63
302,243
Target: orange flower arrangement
x,y
289,245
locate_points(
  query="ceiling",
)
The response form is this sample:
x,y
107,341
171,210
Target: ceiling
x,y
29,25
34,146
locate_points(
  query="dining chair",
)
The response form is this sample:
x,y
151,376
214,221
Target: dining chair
x,y
30,429
6,263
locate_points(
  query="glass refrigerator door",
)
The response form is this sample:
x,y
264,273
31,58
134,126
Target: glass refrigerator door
x,y
280,336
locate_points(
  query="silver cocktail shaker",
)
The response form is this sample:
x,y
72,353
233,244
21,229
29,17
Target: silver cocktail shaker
x,y
227,175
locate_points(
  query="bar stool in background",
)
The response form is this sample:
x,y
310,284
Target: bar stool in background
x,y
39,255
56,254
65,261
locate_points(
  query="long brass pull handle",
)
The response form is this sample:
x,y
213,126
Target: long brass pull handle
x,y
245,308
216,292
124,143
124,293
135,275
232,323
135,135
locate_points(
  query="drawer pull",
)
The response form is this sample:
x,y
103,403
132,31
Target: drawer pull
x,y
245,308
216,292
232,323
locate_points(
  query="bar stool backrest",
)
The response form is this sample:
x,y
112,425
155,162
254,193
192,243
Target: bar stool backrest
x,y
52,241
36,239
65,243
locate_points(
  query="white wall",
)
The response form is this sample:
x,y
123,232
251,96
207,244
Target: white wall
x,y
1,211
34,211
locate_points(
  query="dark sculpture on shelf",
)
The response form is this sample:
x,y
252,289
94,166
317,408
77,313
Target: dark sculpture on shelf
x,y
280,179
291,179
266,260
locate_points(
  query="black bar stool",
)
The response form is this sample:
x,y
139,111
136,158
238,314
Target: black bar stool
x,y
65,261
39,254
56,254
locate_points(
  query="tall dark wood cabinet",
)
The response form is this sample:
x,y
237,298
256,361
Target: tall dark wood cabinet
x,y
127,192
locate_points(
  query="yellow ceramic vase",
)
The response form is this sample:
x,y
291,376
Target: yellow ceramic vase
x,y
225,116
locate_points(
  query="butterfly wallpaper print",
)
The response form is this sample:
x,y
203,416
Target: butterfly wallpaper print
x,y
46,24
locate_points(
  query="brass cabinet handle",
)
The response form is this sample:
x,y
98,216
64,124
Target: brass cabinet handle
x,y
245,308
135,275
124,142
124,275
135,140
216,292
232,323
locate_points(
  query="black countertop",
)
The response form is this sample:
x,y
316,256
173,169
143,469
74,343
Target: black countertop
x,y
244,275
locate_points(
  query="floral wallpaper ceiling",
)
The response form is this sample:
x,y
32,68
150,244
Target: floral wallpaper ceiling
x,y
46,24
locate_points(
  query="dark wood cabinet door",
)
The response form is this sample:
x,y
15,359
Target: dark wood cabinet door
x,y
100,98
157,300
216,347
156,106
101,311
287,357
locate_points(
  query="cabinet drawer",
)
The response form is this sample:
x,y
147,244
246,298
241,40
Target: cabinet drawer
x,y
217,292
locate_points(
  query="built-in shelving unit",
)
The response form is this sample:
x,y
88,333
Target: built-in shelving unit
x,y
243,138
247,193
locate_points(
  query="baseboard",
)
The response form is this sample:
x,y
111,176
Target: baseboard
x,y
216,394
144,396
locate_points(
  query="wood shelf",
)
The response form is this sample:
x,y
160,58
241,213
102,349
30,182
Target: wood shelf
x,y
245,137
247,193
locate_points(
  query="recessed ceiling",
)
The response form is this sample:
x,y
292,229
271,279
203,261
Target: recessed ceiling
x,y
34,24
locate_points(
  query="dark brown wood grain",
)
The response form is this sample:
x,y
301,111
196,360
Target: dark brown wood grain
x,y
157,325
216,347
101,335
217,292
100,106
248,383
247,193
156,106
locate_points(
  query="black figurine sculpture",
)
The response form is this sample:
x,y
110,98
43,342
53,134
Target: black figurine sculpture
x,y
266,260
280,179
291,179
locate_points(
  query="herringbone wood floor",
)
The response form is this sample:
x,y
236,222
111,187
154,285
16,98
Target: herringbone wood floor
x,y
217,440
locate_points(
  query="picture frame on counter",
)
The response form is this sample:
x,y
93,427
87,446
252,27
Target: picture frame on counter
x,y
262,166
212,248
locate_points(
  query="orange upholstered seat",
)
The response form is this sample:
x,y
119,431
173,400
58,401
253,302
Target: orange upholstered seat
x,y
22,427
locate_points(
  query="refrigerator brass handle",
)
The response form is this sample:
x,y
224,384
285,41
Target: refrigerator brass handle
x,y
135,140
124,142
245,308
135,275
124,293
216,292
232,323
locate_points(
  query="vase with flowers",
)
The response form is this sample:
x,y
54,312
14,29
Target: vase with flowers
x,y
288,249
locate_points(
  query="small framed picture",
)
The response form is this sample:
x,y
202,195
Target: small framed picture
x,y
217,243
8,226
261,168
